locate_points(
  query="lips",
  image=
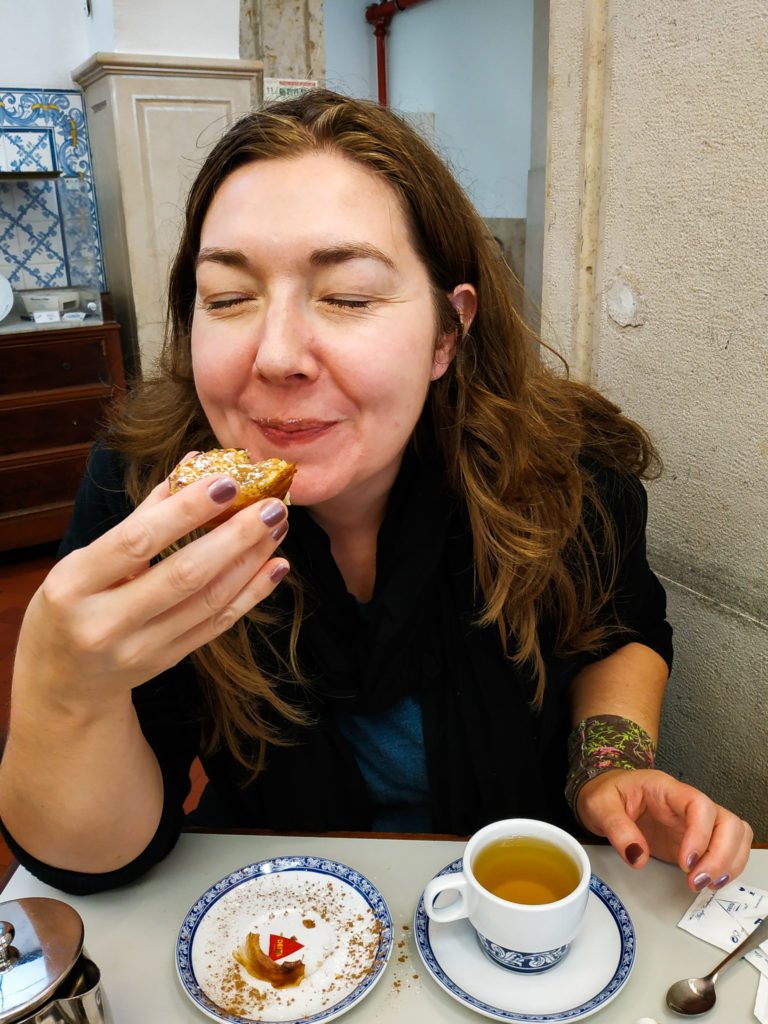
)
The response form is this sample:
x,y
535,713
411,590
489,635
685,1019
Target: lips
x,y
294,431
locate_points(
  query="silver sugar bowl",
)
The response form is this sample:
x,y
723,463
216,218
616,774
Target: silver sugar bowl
x,y
46,977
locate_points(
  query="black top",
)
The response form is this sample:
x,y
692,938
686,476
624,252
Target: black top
x,y
489,754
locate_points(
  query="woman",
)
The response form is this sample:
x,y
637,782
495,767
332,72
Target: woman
x,y
466,541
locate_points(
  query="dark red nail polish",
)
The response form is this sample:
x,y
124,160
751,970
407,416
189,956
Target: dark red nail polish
x,y
633,853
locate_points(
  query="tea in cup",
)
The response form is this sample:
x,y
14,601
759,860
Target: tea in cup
x,y
524,886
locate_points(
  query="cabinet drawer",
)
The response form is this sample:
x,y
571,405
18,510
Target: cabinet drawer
x,y
46,482
43,425
44,365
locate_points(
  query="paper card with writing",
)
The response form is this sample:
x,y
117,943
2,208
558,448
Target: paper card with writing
x,y
726,917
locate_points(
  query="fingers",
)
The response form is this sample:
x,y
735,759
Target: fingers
x,y
605,812
145,620
157,522
716,846
249,574
255,591
649,813
150,622
200,578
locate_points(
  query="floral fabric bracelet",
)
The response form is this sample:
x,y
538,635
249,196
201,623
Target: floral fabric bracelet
x,y
600,744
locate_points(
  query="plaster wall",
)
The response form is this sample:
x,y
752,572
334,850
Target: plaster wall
x,y
292,38
675,304
196,28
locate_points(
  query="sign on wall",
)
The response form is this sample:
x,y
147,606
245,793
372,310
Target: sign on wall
x,y
287,88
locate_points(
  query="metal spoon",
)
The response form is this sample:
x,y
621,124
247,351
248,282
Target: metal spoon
x,y
697,995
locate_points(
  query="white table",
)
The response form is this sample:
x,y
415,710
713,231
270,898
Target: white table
x,y
131,932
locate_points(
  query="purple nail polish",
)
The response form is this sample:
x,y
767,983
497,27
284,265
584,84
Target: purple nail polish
x,y
280,531
222,491
721,881
692,861
279,572
274,513
701,880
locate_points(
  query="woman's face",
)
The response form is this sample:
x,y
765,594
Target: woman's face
x,y
314,331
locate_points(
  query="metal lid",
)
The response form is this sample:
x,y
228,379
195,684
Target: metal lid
x,y
40,941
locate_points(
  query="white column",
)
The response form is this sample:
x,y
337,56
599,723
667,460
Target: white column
x,y
292,39
152,120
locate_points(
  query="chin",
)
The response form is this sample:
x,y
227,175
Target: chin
x,y
309,492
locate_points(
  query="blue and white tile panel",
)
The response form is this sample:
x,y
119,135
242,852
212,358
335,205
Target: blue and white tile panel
x,y
49,229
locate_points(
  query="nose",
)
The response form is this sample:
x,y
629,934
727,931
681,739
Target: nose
x,y
285,351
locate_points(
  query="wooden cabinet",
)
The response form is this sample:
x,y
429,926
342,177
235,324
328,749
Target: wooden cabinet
x,y
54,385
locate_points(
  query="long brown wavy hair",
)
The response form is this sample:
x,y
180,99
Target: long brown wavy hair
x,y
516,436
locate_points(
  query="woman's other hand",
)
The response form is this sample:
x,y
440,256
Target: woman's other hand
x,y
648,813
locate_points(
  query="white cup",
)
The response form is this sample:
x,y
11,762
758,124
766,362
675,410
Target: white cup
x,y
524,937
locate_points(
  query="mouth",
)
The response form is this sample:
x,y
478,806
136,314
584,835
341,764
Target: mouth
x,y
294,431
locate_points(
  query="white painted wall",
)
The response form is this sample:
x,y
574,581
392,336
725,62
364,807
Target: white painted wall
x,y
41,42
683,231
195,28
468,63
100,27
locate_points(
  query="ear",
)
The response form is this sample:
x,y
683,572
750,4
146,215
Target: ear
x,y
463,298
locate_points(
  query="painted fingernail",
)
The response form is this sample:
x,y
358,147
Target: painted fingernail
x,y
693,859
700,881
222,491
279,572
721,881
280,531
274,513
633,853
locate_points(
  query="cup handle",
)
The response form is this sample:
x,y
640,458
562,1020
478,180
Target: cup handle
x,y
455,882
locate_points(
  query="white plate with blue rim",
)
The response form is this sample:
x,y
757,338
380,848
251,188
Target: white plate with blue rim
x,y
239,945
594,971
6,297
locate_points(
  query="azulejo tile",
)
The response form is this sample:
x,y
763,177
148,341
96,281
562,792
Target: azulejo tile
x,y
45,275
67,117
44,129
36,202
26,149
22,107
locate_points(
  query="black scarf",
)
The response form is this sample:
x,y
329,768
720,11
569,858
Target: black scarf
x,y
489,755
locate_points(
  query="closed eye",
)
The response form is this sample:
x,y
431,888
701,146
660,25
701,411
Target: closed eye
x,y
343,303
215,304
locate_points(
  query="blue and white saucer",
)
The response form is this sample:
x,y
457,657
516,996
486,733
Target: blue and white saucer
x,y
308,909
595,970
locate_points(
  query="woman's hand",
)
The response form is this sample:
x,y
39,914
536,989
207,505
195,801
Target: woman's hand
x,y
106,619
80,787
648,813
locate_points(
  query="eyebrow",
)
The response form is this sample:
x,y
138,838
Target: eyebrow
x,y
325,257
349,251
229,257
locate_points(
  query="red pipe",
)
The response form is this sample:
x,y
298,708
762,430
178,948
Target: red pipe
x,y
380,15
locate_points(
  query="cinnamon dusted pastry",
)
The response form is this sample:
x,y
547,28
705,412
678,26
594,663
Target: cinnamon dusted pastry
x,y
268,479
